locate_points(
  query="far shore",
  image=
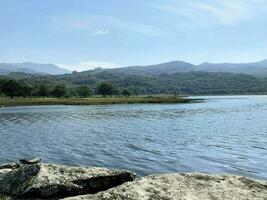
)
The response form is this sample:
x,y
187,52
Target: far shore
x,y
7,102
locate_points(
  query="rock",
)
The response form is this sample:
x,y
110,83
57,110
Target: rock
x,y
39,181
4,197
48,181
193,186
9,166
30,161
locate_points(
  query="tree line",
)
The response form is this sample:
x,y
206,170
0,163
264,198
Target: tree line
x,y
179,83
15,88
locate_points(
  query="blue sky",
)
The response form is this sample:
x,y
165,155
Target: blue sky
x,y
83,34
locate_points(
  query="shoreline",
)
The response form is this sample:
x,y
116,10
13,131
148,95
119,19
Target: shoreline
x,y
13,102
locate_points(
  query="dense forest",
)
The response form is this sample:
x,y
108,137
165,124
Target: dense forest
x,y
185,83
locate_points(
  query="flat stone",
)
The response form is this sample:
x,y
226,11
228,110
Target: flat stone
x,y
48,181
31,161
192,186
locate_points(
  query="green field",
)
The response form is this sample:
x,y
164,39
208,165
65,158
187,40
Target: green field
x,y
91,101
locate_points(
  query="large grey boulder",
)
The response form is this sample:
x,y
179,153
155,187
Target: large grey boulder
x,y
47,180
193,186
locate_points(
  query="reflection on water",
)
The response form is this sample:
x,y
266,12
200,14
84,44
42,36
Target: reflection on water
x,y
221,135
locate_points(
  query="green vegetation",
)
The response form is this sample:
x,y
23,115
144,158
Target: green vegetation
x,y
14,89
43,91
59,91
107,89
179,83
126,93
21,93
84,91
19,101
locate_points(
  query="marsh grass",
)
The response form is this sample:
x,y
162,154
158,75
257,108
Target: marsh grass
x,y
91,101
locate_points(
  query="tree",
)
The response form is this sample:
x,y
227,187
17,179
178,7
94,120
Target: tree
x,y
84,91
25,90
126,93
116,91
2,82
11,88
60,91
106,89
73,92
43,91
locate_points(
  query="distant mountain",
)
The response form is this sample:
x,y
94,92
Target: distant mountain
x,y
23,75
7,68
256,69
169,68
31,68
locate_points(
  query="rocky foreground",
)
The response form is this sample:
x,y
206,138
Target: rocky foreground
x,y
33,180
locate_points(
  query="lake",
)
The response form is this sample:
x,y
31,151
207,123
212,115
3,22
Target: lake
x,y
224,134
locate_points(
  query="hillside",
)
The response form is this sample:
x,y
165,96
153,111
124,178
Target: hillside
x,y
183,82
169,67
165,78
258,69
31,68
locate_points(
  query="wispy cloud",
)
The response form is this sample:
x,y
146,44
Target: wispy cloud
x,y
100,32
87,65
224,12
104,24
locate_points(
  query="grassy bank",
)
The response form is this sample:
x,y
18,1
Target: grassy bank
x,y
90,101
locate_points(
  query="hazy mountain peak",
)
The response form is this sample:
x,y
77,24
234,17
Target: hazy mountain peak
x,y
176,66
264,62
172,67
33,68
205,63
177,62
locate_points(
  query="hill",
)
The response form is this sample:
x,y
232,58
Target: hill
x,y
165,78
31,68
255,69
169,68
182,82
258,69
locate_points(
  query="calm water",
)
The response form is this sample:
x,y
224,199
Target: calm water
x,y
221,135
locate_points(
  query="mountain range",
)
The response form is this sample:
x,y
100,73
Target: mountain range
x,y
258,69
31,68
166,78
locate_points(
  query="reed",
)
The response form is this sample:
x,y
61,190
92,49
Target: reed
x,y
91,100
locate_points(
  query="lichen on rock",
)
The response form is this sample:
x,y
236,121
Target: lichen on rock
x,y
47,180
194,186
3,197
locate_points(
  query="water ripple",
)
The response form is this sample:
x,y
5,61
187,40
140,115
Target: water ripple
x,y
221,135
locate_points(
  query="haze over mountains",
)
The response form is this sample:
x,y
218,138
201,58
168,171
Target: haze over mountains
x,y
31,68
165,78
255,69
258,69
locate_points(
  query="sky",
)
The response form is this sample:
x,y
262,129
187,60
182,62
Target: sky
x,y
84,34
